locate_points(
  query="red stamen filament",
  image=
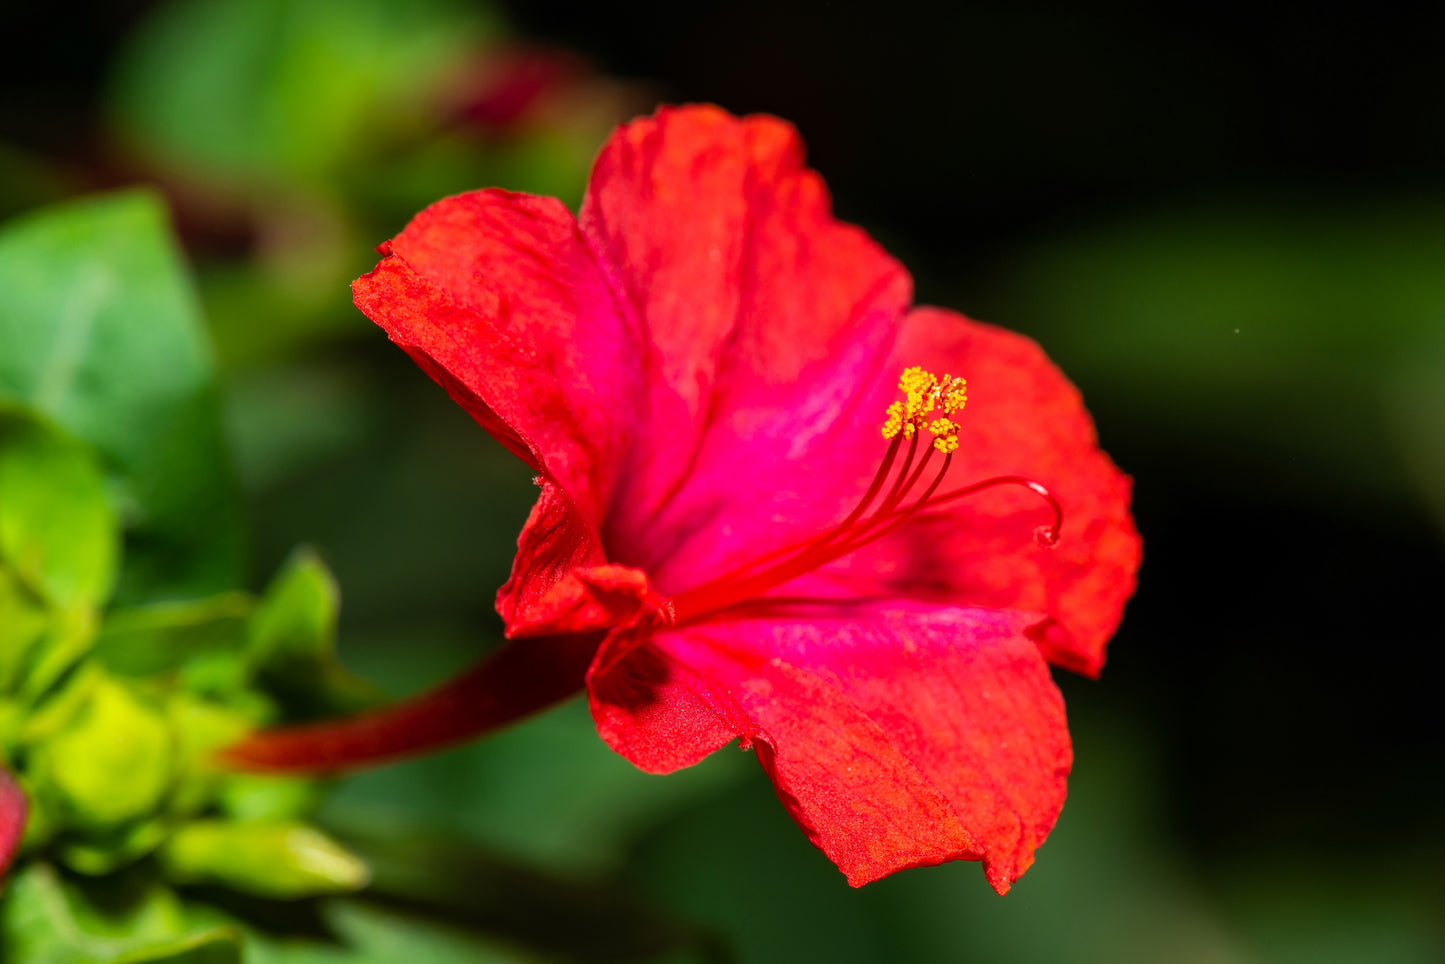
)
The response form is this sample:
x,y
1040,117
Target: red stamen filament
x,y
747,583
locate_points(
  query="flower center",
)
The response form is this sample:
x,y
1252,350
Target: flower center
x,y
928,405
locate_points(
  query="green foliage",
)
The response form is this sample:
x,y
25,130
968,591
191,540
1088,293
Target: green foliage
x,y
59,549
285,89
143,640
110,719
57,531
282,859
367,934
110,763
101,335
44,920
291,642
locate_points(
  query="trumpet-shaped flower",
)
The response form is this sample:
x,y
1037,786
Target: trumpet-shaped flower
x,y
726,546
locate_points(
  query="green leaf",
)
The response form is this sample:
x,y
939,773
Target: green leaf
x,y
219,946
106,853
292,642
201,727
258,796
145,640
57,531
45,921
111,763
371,935
101,334
23,621
281,859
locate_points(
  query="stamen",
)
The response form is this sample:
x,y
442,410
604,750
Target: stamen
x,y
924,394
1046,536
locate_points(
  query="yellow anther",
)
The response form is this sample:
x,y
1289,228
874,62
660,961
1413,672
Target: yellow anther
x,y
894,425
923,394
945,435
953,393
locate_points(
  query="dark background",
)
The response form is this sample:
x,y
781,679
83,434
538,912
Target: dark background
x,y
1227,223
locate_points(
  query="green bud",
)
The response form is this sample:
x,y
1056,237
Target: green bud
x,y
111,763
280,859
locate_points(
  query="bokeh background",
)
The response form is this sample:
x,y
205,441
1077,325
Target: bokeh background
x,y
1226,222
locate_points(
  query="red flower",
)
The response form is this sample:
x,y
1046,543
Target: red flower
x,y
698,367
12,818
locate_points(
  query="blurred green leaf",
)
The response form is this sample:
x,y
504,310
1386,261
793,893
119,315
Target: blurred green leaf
x,y
43,921
201,728
260,797
284,89
220,946
68,637
548,792
292,642
605,921
1415,401
57,531
102,336
145,640
367,934
280,859
111,762
23,622
104,853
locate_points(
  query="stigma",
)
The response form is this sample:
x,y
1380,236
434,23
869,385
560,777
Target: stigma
x,y
924,394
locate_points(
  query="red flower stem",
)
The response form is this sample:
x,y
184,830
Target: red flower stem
x,y
522,677
13,810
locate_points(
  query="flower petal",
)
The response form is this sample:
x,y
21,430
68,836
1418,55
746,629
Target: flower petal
x,y
1023,418
896,737
497,298
13,811
589,599
554,541
763,319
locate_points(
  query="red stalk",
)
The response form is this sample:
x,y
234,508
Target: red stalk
x,y
520,678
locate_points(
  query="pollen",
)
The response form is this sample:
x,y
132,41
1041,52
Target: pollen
x,y
945,435
924,394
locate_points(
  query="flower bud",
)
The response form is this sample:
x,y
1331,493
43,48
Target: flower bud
x,y
281,859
